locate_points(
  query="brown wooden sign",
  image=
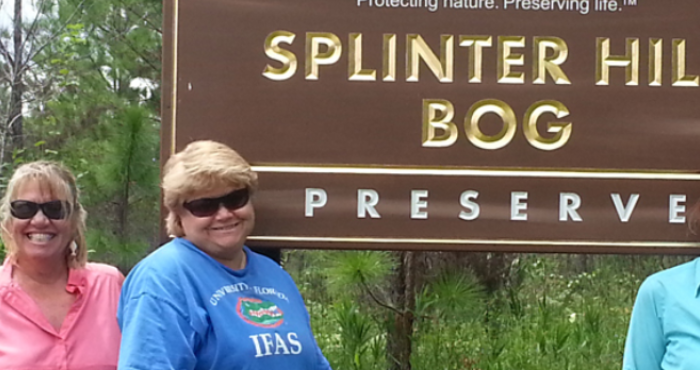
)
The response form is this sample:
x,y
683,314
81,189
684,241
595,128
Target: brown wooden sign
x,y
513,125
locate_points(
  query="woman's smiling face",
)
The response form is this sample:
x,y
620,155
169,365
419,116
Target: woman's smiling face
x,y
39,237
223,233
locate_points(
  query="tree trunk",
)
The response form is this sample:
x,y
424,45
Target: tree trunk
x,y
14,121
579,263
124,203
123,212
399,340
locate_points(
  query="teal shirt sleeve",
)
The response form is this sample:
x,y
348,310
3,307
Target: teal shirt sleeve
x,y
645,345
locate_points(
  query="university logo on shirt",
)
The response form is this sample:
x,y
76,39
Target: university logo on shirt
x,y
263,314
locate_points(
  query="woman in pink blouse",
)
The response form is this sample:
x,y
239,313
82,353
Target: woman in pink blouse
x,y
57,312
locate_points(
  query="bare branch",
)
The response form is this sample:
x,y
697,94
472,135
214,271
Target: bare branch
x,y
34,26
374,298
143,17
52,38
4,52
13,120
7,72
108,83
131,47
33,53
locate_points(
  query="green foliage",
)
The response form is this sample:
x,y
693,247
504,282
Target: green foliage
x,y
107,248
341,291
453,294
92,101
121,192
352,272
131,148
360,338
548,317
448,308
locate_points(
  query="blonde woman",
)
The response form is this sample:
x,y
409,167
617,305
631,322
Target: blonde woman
x,y
204,300
56,310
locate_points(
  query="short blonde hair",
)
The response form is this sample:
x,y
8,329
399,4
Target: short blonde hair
x,y
58,181
203,166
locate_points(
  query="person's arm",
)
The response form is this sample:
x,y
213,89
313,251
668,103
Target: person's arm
x,y
156,335
646,343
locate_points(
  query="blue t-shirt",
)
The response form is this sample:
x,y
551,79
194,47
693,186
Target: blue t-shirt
x,y
180,309
664,332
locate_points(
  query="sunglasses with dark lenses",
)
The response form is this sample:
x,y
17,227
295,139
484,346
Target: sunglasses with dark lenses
x,y
25,210
205,207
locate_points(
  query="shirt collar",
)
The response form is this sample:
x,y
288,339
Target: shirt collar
x,y
76,280
6,274
76,277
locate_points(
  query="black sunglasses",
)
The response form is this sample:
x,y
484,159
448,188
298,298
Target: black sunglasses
x,y
205,207
25,210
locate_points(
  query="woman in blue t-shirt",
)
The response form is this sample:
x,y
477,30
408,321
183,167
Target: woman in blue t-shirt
x,y
204,300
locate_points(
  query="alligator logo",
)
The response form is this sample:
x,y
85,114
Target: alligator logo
x,y
262,314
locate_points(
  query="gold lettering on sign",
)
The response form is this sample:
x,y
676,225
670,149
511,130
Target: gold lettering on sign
x,y
655,61
315,57
437,115
549,54
561,130
355,70
549,63
679,76
417,49
507,59
481,108
604,61
389,57
475,45
275,52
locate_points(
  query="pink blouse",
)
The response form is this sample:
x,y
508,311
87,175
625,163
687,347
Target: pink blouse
x,y
89,337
